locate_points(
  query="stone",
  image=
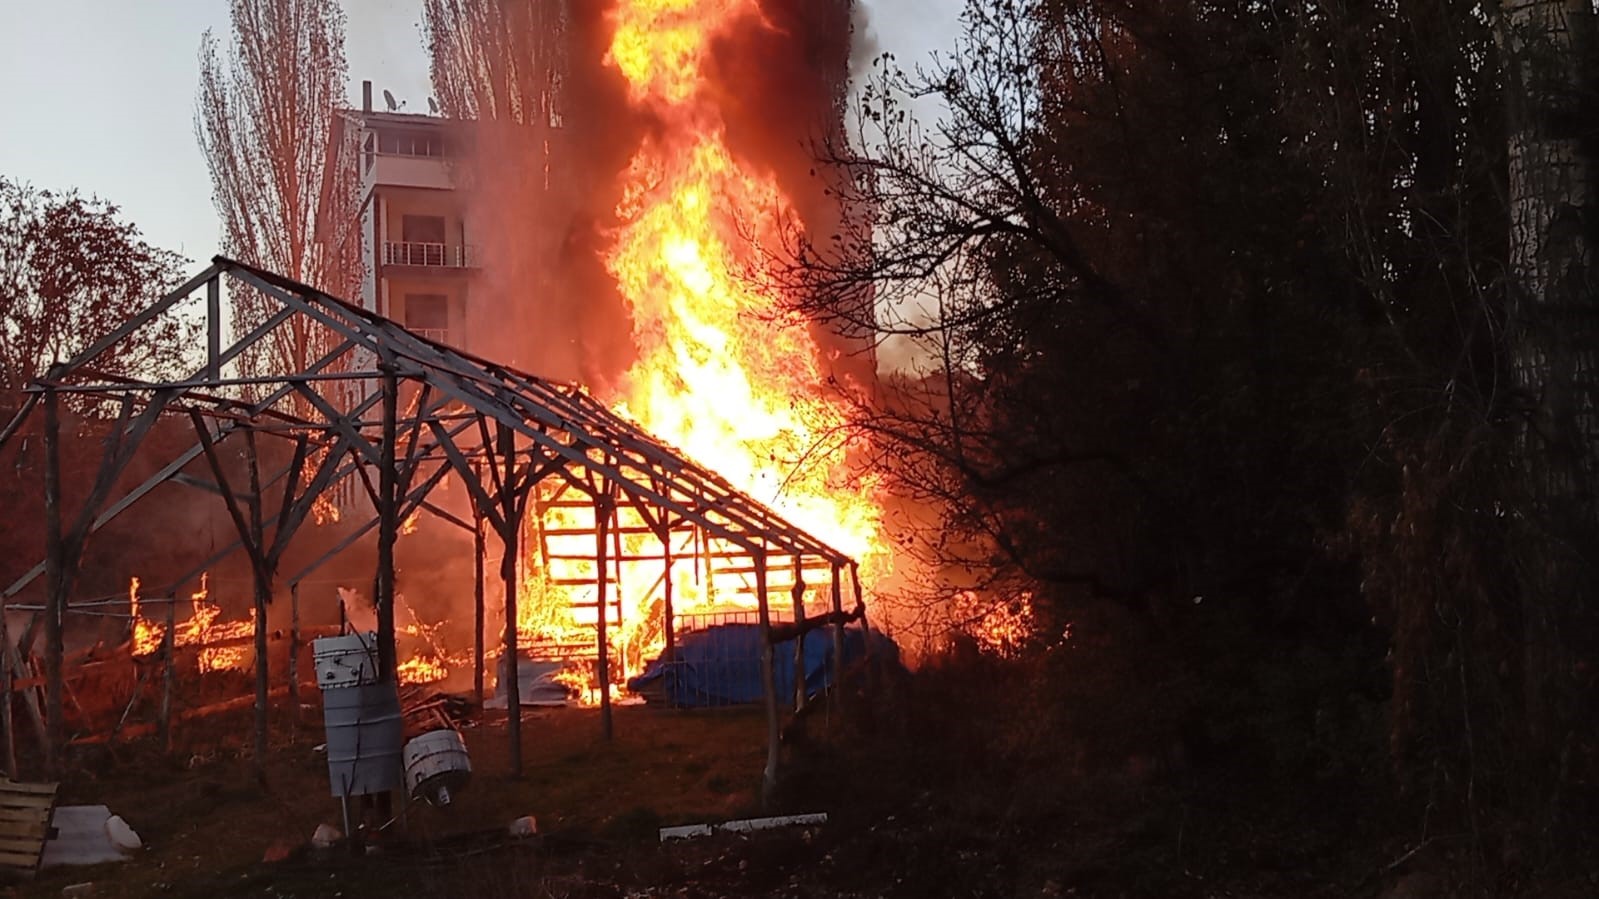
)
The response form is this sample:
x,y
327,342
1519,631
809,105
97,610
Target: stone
x,y
325,836
122,836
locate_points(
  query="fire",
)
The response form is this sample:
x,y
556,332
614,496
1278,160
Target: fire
x,y
721,372
998,628
224,645
146,634
422,670
431,664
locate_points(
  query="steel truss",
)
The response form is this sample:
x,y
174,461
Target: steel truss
x,y
400,414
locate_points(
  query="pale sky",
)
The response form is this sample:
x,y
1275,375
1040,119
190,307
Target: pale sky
x,y
100,94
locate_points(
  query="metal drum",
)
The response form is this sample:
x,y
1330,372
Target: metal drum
x,y
350,660
436,765
365,731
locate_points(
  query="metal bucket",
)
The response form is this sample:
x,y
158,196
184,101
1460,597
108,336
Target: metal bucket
x,y
365,731
436,765
349,660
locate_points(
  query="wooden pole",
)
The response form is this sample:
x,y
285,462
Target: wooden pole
x,y
479,617
55,580
602,519
768,683
798,597
513,686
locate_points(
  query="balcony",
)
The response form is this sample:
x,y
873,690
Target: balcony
x,y
437,335
404,170
410,252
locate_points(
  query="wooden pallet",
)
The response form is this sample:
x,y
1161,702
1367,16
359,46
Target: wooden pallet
x,y
25,813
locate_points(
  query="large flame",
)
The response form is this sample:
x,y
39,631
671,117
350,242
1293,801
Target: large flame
x,y
722,372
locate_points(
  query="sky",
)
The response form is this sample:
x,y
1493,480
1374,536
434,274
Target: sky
x,y
100,94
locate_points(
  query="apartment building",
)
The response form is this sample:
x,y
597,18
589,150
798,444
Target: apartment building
x,y
420,262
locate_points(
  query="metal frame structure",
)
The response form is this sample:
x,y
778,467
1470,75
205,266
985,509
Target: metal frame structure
x,y
415,412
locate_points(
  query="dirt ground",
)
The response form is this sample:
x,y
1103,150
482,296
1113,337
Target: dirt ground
x,y
208,822
910,815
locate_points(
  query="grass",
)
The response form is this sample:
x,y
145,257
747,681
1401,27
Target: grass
x,y
207,821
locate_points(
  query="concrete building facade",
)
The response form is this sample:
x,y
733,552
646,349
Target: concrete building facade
x,y
419,256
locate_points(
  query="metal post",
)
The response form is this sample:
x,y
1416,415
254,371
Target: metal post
x,y
169,651
6,678
668,616
602,518
55,579
388,523
213,328
866,628
478,618
263,596
511,658
294,648
798,596
838,636
768,682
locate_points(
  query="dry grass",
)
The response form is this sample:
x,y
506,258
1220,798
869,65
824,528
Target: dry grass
x,y
203,815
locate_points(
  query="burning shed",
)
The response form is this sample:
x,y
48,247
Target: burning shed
x,y
611,507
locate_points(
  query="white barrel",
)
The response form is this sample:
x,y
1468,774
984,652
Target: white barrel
x,y
350,660
436,765
364,731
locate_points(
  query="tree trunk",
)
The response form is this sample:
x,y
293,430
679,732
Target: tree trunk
x,y
1554,346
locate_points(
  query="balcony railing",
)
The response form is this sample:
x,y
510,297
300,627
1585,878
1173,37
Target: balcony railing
x,y
410,252
438,335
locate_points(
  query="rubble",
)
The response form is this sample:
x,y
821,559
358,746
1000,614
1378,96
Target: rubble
x,y
745,825
325,836
122,836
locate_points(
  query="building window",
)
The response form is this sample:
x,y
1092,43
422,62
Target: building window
x,y
428,314
422,228
410,143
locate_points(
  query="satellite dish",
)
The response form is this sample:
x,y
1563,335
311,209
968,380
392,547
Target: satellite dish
x,y
433,106
389,99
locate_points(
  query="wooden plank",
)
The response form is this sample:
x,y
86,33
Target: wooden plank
x,y
26,799
17,786
35,828
24,813
27,842
27,802
22,860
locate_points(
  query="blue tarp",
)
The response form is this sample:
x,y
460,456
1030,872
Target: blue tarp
x,y
721,666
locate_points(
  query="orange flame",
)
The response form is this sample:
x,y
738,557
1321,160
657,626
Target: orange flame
x,y
146,634
721,372
204,631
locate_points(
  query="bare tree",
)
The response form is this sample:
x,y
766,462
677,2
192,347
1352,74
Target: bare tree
x,y
283,180
537,165
71,271
497,60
